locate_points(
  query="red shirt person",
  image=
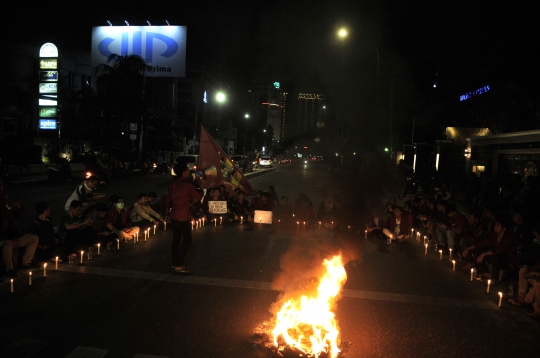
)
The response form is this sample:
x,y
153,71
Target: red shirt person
x,y
182,192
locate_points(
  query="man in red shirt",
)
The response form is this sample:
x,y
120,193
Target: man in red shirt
x,y
182,193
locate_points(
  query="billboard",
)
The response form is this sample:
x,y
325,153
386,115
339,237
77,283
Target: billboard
x,y
47,112
48,76
162,47
48,88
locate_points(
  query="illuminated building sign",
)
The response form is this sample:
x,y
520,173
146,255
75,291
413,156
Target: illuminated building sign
x,y
47,112
276,84
47,102
48,50
49,63
48,88
48,76
162,47
471,94
47,124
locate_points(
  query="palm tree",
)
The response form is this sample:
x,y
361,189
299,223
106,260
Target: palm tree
x,y
121,89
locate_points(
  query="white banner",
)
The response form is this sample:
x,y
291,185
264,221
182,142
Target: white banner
x,y
162,47
217,207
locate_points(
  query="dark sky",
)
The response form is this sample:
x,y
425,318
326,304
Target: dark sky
x,y
294,42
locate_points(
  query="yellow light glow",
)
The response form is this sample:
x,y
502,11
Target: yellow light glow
x,y
342,33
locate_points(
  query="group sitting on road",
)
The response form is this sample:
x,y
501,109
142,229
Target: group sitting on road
x,y
501,242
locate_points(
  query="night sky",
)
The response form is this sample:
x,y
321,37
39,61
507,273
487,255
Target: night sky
x,y
294,42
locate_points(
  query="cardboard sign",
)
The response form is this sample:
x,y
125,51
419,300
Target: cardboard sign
x,y
217,207
262,217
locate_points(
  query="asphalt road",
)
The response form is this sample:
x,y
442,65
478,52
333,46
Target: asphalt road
x,y
397,302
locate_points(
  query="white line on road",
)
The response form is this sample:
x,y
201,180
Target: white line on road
x,y
87,352
267,286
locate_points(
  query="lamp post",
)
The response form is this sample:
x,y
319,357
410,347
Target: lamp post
x,y
220,98
246,116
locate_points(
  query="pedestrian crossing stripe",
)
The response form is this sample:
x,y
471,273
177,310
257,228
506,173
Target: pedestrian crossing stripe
x,y
26,348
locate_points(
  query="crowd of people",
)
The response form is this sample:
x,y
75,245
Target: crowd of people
x,y
499,239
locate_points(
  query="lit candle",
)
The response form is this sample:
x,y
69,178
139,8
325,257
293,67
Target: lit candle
x,y
45,269
11,285
450,254
298,225
98,248
137,234
425,239
500,299
118,244
203,221
155,229
472,271
56,263
30,278
418,236
82,253
489,284
412,232
425,253
192,224
197,224
453,265
319,225
145,237
293,215
241,220
332,225
165,225
220,220
349,228
215,222
260,220
279,224
365,235
440,253
304,226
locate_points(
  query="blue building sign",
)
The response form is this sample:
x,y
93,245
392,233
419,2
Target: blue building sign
x,y
47,124
471,94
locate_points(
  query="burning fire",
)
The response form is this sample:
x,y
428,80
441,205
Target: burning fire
x,y
308,323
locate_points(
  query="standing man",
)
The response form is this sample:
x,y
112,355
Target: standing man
x,y
182,193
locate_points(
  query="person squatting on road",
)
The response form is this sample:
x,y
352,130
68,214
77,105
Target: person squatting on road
x,y
182,192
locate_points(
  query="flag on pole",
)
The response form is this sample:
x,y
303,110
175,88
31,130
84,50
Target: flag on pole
x,y
218,167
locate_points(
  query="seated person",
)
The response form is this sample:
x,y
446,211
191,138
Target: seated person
x,y
151,198
390,207
102,229
523,231
304,213
207,197
398,226
298,201
117,216
498,248
525,294
73,231
255,199
264,204
224,193
234,197
329,213
240,208
458,222
84,193
212,212
443,194
284,212
143,215
48,247
476,232
12,239
376,222
273,195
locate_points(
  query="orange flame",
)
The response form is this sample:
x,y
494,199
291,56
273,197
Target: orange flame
x,y
308,324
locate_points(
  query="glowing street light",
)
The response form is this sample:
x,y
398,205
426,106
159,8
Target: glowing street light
x,y
342,33
220,97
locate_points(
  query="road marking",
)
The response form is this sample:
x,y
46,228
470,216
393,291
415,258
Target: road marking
x,y
23,348
87,352
267,286
147,356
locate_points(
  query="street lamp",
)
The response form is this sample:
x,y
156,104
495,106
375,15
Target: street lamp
x,y
246,116
342,33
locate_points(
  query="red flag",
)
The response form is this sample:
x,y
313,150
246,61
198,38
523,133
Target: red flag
x,y
218,167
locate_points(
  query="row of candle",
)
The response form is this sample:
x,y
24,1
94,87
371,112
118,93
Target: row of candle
x,y
57,259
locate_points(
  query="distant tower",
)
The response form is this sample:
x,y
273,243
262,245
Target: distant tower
x,y
283,115
311,111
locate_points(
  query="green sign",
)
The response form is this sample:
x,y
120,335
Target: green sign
x,y
276,84
47,112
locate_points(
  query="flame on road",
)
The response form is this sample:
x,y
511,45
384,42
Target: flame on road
x,y
307,323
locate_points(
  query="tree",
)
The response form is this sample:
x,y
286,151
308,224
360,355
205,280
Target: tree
x,y
121,89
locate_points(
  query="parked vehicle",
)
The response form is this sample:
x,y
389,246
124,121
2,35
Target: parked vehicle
x,y
242,162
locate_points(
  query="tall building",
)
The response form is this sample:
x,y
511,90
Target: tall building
x,y
310,112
